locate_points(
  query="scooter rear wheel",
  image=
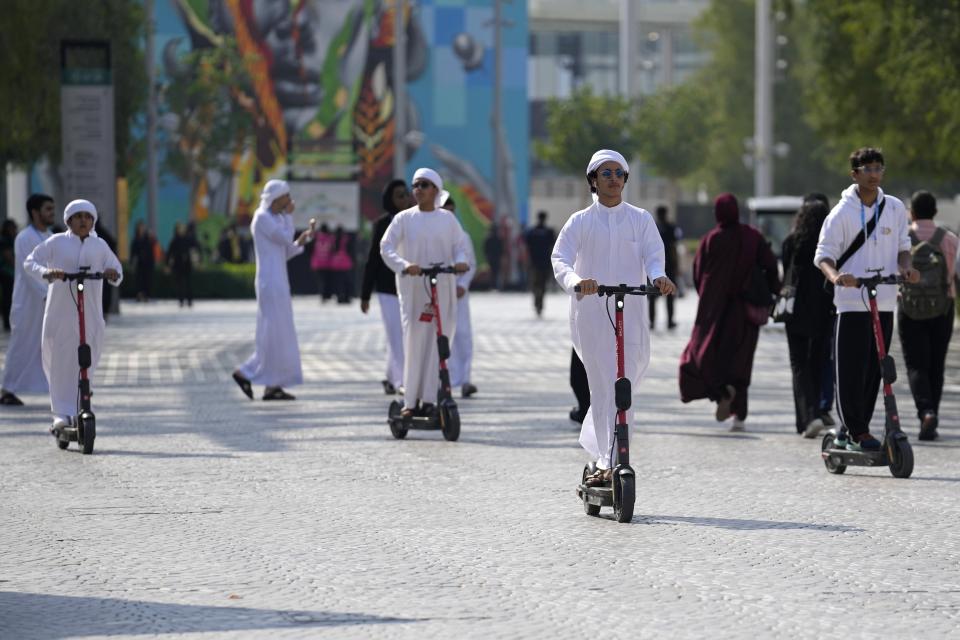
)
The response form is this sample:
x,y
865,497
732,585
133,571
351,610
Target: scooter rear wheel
x,y
900,454
588,508
450,421
624,496
831,465
397,430
86,433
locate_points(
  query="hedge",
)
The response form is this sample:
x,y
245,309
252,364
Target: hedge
x,y
217,281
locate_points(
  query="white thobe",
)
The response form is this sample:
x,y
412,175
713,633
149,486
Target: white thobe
x,y
276,358
612,246
23,369
423,238
61,325
390,314
461,350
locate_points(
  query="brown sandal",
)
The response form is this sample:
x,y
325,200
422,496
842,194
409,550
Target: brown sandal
x,y
599,478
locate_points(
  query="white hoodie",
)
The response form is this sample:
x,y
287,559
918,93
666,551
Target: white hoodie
x,y
879,251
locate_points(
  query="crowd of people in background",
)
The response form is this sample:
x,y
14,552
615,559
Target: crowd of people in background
x,y
735,272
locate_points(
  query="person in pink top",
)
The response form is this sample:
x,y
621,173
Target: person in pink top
x,y
925,310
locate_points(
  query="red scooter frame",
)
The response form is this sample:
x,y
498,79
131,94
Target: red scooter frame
x,y
621,495
84,431
445,416
896,452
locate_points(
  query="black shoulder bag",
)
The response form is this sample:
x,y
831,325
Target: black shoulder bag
x,y
855,245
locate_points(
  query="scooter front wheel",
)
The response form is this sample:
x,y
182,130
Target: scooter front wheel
x,y
86,433
900,454
829,461
450,421
397,430
624,496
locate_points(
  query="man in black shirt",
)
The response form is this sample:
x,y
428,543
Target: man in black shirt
x,y
669,234
540,241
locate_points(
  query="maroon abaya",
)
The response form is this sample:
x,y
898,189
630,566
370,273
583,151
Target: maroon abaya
x,y
721,347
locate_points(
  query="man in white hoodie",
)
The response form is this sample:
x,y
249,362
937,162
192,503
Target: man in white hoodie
x,y
883,221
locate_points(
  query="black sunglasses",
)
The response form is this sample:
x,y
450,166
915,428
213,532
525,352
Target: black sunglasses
x,y
422,184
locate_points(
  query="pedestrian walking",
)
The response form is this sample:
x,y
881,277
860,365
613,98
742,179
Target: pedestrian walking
x,y
8,237
580,386
609,241
180,263
320,260
540,240
493,252
865,230
926,310
143,257
670,235
23,367
341,266
810,324
423,235
461,350
718,360
275,362
377,276
75,249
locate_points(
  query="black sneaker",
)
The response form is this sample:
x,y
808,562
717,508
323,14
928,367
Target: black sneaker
x,y
827,419
863,442
928,426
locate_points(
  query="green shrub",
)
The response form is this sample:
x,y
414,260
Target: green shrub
x,y
212,281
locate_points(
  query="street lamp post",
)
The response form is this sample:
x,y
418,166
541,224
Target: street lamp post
x,y
763,102
399,92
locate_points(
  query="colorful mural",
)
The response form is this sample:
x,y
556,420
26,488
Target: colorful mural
x,y
304,90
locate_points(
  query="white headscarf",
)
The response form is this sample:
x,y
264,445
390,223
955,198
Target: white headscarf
x,y
607,155
271,191
76,206
434,177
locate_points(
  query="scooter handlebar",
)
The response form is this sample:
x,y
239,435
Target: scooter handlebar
x,y
873,281
612,290
84,275
436,269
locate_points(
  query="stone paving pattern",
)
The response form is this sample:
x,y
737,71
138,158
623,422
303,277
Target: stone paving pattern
x,y
205,515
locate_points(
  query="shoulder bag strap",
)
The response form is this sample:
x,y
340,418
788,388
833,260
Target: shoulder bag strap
x,y
861,237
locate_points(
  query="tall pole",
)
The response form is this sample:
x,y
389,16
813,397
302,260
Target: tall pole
x,y
151,122
628,48
497,116
763,103
628,80
399,92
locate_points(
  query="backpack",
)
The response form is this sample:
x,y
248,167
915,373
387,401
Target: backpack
x,y
929,298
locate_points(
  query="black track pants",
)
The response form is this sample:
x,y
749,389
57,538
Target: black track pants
x,y
857,372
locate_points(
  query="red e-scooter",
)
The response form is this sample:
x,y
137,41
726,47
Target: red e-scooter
x,y
83,429
896,451
621,494
444,415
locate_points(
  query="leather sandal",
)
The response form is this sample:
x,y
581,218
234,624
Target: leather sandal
x,y
9,399
244,384
276,393
599,478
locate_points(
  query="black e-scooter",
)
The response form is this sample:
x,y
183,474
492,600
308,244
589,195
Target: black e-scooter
x,y
444,415
621,495
83,429
896,451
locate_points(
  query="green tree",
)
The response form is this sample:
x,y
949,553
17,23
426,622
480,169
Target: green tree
x,y
886,74
211,100
726,31
30,35
672,130
580,125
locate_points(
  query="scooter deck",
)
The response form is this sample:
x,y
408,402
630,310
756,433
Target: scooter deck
x,y
421,423
66,433
857,458
600,496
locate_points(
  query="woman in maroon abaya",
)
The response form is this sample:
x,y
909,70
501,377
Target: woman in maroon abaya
x,y
718,359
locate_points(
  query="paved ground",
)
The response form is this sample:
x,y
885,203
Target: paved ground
x,y
204,515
